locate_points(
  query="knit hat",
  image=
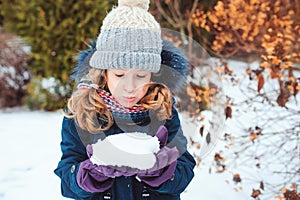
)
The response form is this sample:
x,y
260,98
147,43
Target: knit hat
x,y
130,38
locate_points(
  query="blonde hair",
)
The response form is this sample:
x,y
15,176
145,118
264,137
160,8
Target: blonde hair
x,y
90,111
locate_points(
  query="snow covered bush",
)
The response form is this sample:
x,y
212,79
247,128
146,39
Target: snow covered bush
x,y
14,74
55,31
46,93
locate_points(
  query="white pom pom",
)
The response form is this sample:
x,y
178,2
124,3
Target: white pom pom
x,y
144,4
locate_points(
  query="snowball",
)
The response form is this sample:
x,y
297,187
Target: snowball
x,y
134,150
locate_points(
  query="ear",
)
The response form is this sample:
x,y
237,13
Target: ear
x,y
162,135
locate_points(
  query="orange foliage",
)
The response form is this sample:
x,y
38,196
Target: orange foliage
x,y
200,95
263,27
289,194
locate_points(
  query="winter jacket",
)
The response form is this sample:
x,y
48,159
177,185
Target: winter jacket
x,y
124,188
173,71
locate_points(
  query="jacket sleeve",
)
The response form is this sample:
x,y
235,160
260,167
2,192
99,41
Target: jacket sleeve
x,y
184,171
73,153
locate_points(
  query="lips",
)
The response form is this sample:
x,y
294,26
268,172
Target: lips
x,y
129,99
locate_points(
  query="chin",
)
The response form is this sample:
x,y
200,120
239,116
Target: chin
x,y
128,104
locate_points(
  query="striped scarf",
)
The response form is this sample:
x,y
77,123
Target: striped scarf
x,y
134,113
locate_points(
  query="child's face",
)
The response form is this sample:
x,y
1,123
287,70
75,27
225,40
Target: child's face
x,y
127,86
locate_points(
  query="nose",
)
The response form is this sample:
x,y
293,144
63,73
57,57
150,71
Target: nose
x,y
129,85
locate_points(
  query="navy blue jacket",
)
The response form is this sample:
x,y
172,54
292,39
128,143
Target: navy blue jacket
x,y
124,188
173,72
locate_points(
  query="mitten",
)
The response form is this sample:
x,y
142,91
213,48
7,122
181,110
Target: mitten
x,y
92,180
165,165
97,178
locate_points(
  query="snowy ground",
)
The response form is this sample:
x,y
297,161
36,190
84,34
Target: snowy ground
x,y
30,152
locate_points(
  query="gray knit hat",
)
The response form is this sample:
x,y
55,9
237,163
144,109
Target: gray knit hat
x,y
130,38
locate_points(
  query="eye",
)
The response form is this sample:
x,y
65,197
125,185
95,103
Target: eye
x,y
119,75
141,75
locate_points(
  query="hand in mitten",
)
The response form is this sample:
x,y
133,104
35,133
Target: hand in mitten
x,y
91,179
165,165
97,178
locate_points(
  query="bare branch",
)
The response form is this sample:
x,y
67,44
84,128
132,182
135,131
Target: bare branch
x,y
165,15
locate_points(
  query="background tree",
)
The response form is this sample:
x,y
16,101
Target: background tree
x,y
177,15
262,143
55,30
269,31
203,90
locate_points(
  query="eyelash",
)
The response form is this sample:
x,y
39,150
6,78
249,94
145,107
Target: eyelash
x,y
121,75
141,76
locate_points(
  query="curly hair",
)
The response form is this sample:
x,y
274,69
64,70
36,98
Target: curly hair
x,y
90,111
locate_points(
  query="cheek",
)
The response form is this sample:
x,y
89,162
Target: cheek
x,y
142,92
112,85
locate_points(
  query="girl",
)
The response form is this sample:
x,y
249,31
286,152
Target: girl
x,y
125,85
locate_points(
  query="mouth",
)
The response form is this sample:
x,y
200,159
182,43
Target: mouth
x,y
129,99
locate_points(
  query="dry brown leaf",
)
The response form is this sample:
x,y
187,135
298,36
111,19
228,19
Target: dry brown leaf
x,y
291,195
253,136
201,130
261,82
279,197
228,112
262,186
208,138
293,186
255,193
265,64
237,178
